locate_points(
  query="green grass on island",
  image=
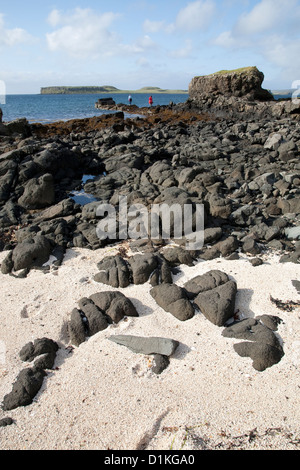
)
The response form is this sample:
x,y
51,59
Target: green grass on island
x,y
106,89
240,70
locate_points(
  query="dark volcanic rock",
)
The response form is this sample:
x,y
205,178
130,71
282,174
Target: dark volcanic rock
x,y
263,355
97,312
114,271
25,388
205,282
173,299
38,193
32,252
6,422
217,304
77,328
160,363
41,347
177,255
142,266
96,318
115,304
263,346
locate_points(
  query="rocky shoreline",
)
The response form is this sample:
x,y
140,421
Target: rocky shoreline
x,y
235,154
245,172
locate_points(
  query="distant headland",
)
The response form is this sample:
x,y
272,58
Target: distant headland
x,y
71,90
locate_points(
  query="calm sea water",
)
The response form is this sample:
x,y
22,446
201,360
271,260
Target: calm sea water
x,y
49,108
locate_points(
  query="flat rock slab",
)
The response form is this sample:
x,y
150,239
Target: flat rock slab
x,y
144,345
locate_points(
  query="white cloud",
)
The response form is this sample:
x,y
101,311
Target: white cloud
x,y
83,33
54,18
269,31
267,15
225,39
196,15
12,37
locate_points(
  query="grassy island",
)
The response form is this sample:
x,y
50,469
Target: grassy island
x,y
106,89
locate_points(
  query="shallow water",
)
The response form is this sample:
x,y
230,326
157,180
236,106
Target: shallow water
x,y
49,108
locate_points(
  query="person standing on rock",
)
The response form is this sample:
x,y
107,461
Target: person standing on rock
x,y
150,101
130,99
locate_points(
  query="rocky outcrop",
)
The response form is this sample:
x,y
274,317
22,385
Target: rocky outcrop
x,y
245,82
238,94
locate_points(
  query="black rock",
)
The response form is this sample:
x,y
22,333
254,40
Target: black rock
x,y
32,252
160,363
96,318
6,422
263,346
38,193
40,346
142,266
204,282
217,304
25,388
115,305
173,299
76,328
263,355
114,271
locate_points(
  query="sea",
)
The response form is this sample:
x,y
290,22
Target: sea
x,y
38,108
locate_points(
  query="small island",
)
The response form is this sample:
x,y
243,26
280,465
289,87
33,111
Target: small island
x,y
106,89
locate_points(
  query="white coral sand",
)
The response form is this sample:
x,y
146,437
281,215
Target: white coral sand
x,y
103,396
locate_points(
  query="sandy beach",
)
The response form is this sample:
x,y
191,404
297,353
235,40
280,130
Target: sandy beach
x,y
101,395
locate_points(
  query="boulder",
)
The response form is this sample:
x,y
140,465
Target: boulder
x,y
115,305
142,266
38,193
217,304
262,345
77,328
263,355
205,282
18,126
25,388
45,348
32,252
173,299
113,271
96,320
177,255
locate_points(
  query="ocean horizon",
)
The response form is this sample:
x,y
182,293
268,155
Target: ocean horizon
x,y
50,108
46,108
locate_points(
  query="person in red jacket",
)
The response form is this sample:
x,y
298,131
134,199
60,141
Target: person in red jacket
x,y
150,101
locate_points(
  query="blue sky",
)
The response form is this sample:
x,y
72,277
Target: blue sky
x,y
141,43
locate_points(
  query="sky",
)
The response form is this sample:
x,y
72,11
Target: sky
x,y
136,43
